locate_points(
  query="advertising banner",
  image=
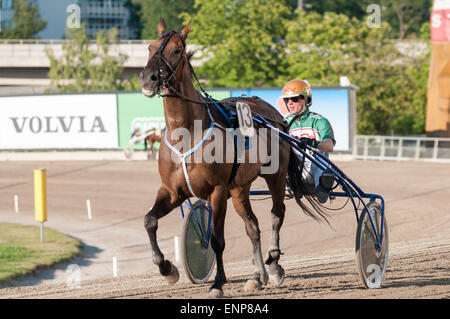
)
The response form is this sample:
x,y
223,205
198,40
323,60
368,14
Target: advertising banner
x,y
87,121
438,99
136,111
332,103
440,21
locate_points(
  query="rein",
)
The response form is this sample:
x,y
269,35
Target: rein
x,y
164,82
205,100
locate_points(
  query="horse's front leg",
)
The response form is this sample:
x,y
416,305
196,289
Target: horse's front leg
x,y
163,205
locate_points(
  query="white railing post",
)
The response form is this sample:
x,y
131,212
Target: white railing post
x,y
417,152
366,147
384,143
435,149
400,149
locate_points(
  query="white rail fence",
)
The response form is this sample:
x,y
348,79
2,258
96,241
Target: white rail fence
x,y
401,148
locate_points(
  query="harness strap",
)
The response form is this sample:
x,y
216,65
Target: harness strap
x,y
183,156
236,165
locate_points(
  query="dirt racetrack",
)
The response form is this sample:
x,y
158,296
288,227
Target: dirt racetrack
x,y
319,261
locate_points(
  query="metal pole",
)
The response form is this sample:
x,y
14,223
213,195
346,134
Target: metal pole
x,y
114,267
366,147
417,153
16,204
42,232
435,149
400,149
177,248
383,148
88,204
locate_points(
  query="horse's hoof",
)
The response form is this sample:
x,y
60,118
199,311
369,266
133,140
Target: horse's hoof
x,y
265,279
252,285
174,275
277,278
215,293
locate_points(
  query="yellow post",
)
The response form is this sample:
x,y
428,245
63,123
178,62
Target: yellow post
x,y
40,198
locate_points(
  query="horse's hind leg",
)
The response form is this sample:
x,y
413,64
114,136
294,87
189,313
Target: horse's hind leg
x,y
162,207
276,272
241,203
219,207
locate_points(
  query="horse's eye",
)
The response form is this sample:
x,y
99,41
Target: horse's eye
x,y
177,51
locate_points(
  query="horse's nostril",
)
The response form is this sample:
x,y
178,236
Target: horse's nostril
x,y
154,78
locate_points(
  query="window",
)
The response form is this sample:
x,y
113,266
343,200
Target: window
x,y
6,4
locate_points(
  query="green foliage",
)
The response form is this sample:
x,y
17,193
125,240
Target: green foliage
x,y
244,42
21,251
134,22
26,21
258,43
320,45
404,16
87,67
150,11
392,86
13,253
350,8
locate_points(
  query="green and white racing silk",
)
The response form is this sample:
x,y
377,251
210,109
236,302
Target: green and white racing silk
x,y
311,125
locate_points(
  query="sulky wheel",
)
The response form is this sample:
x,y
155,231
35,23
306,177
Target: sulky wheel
x,y
198,261
371,260
128,152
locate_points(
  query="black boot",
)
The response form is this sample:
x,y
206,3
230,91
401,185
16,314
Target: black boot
x,y
326,181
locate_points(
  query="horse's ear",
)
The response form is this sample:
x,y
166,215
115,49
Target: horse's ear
x,y
184,33
161,27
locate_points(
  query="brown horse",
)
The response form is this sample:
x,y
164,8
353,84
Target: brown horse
x,y
168,71
149,137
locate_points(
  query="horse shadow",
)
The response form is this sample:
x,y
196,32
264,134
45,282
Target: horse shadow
x,y
40,274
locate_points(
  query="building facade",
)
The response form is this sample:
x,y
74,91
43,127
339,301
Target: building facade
x,y
6,14
97,15
105,14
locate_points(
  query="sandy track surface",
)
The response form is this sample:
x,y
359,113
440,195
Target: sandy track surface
x,y
319,260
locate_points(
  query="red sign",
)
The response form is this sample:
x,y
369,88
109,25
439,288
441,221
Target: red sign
x,y
440,21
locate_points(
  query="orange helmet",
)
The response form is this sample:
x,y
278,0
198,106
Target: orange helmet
x,y
296,88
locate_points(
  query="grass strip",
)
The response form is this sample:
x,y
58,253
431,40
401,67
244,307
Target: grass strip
x,y
21,251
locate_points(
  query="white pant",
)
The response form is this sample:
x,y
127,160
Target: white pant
x,y
311,172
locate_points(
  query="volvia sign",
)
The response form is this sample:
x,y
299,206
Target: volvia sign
x,y
58,122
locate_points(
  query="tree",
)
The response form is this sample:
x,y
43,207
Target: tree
x,y
150,11
244,43
85,67
134,22
392,86
350,8
404,16
26,21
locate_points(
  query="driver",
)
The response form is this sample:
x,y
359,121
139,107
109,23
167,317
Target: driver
x,y
312,129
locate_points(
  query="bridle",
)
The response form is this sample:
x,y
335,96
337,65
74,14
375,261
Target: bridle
x,y
163,80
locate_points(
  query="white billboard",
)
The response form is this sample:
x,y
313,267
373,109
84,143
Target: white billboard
x,y
59,122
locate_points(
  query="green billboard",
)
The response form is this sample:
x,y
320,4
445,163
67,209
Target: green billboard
x,y
136,111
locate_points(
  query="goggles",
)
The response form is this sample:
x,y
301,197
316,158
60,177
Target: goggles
x,y
294,99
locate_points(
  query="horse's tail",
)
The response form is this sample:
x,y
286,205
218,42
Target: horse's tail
x,y
300,190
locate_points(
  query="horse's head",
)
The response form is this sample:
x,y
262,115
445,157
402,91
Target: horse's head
x,y
166,55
